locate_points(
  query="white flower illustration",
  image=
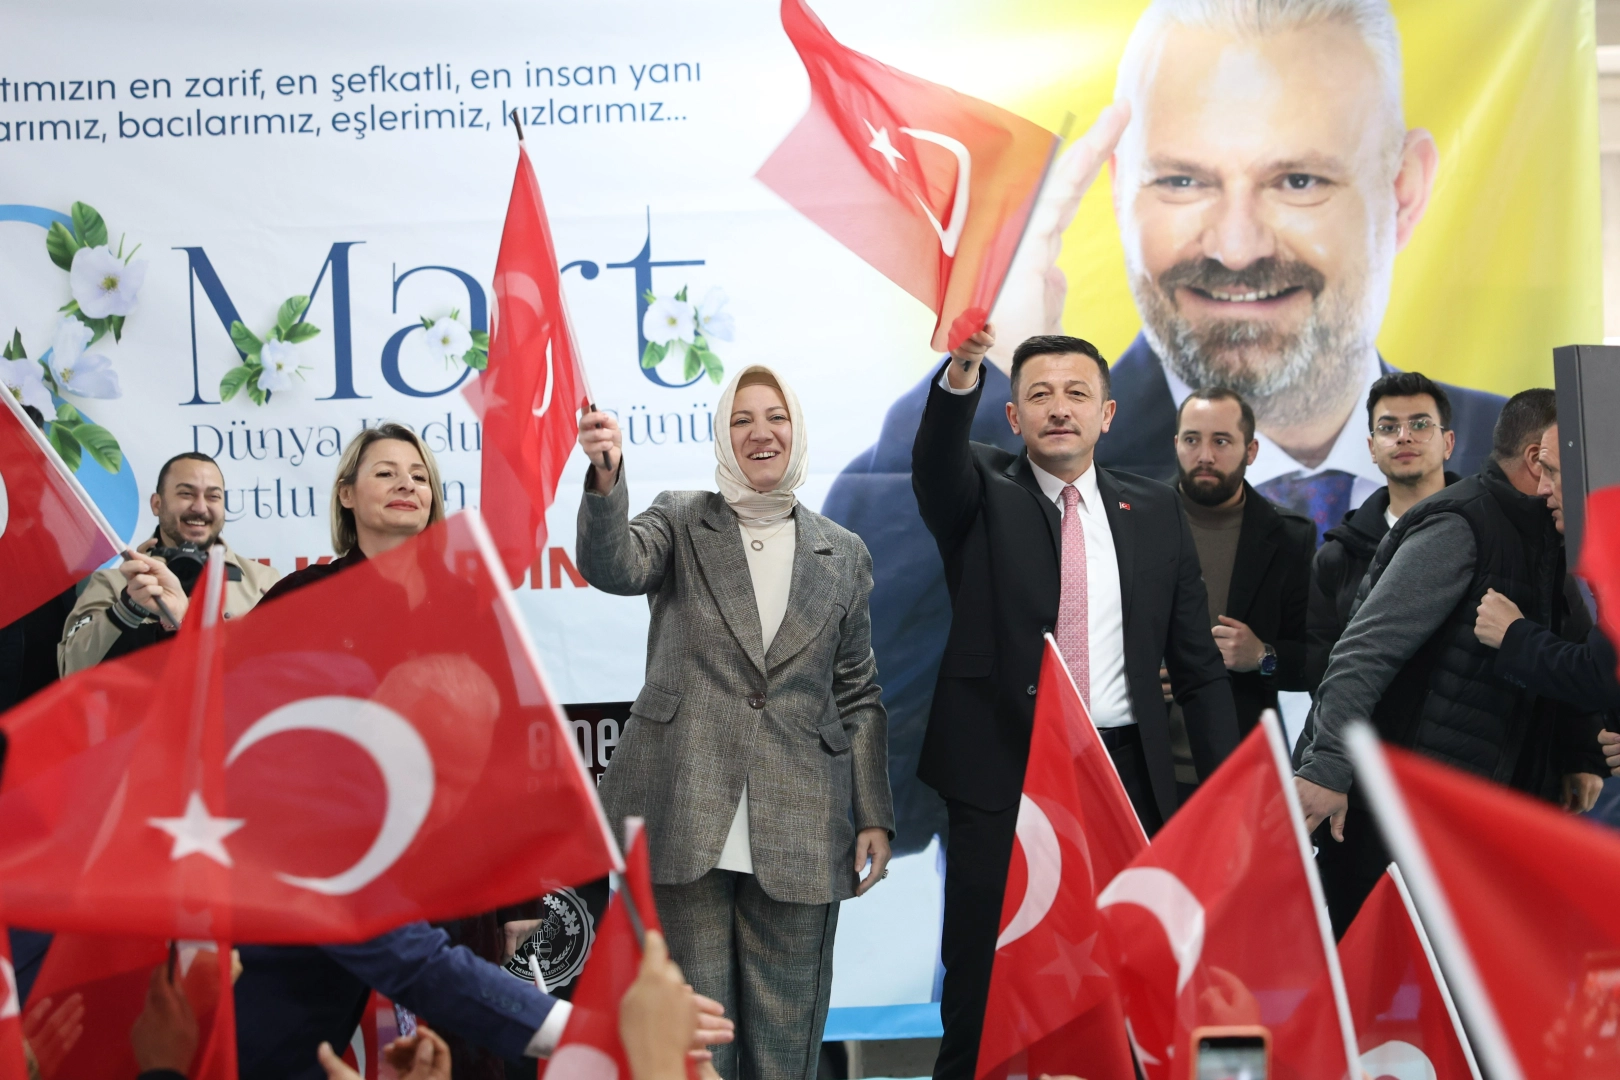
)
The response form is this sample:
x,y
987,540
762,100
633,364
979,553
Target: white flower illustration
x,y
668,320
102,284
280,363
714,322
75,372
26,382
447,340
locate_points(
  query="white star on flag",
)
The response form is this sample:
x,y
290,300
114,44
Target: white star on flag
x,y
880,142
198,832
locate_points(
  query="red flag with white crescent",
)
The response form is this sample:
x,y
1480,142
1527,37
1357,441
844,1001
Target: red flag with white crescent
x,y
1221,922
929,186
530,395
1053,1006
48,524
378,748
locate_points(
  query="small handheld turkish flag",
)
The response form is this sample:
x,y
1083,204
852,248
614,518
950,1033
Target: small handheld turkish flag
x,y
1053,1007
48,525
931,187
590,1047
375,749
1221,922
530,395
1518,900
1404,1017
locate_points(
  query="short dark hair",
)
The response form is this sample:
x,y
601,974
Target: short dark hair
x,y
1059,345
189,455
1407,384
1525,416
1223,393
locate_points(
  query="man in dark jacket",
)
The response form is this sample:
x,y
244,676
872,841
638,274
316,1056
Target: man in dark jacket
x,y
1410,439
1255,558
1409,658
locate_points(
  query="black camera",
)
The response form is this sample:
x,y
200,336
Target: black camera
x,y
185,561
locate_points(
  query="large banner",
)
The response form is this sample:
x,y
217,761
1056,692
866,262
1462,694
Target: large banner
x,y
1299,199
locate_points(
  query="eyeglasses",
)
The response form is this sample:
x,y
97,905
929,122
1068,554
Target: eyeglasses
x,y
1421,429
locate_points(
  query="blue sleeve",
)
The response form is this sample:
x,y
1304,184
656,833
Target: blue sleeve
x,y
451,988
1580,674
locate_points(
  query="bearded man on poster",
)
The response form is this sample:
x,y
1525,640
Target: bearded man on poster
x,y
1264,180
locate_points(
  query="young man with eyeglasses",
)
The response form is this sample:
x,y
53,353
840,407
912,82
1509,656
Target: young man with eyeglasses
x,y
1410,439
1409,660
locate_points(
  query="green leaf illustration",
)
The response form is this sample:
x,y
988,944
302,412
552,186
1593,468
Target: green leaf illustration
x,y
291,308
14,347
477,359
88,226
427,323
98,327
711,364
117,326
681,296
234,380
301,332
259,396
653,355
480,340
67,414
245,340
694,362
60,245
99,443
61,436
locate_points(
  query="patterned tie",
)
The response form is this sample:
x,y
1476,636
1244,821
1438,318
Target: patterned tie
x,y
1324,498
1073,635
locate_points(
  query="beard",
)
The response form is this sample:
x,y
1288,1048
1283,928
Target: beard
x,y
1210,493
1288,376
171,530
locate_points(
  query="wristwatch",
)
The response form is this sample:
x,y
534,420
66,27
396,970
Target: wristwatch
x,y
1268,662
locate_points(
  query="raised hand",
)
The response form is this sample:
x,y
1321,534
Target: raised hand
x,y
1031,301
598,435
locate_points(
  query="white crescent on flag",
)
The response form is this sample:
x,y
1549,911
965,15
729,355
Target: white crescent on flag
x,y
12,1007
1044,858
1172,903
951,234
401,756
1398,1060
5,505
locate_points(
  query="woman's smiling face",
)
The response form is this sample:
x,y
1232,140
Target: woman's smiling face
x,y
761,435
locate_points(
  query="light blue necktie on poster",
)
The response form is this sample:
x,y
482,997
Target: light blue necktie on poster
x,y
1323,497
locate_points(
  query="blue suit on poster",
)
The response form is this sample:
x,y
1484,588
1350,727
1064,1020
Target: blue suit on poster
x,y
911,607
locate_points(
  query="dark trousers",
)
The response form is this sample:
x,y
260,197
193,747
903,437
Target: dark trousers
x,y
1349,870
976,860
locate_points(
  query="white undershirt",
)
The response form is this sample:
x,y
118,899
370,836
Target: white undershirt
x,y
771,568
1105,608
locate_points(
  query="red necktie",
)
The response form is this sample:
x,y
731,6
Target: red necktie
x,y
1073,635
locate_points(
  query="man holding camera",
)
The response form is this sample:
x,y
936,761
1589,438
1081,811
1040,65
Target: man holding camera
x,y
130,607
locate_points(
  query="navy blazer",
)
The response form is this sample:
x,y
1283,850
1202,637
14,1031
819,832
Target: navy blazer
x,y
1581,674
911,608
292,997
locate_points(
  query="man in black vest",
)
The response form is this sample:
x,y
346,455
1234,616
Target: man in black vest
x,y
1409,658
1034,543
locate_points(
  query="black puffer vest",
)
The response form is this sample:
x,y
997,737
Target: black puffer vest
x,y
1446,702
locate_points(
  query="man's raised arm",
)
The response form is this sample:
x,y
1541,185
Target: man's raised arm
x,y
948,492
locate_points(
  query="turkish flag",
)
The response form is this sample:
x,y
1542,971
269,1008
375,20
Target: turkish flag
x,y
590,1047
13,1066
1405,1021
1518,900
929,186
48,525
1221,922
1052,1000
375,749
1600,556
530,395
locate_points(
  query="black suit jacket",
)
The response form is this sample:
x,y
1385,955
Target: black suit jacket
x,y
1270,589
999,537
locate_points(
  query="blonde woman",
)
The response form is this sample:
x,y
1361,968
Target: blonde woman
x,y
757,750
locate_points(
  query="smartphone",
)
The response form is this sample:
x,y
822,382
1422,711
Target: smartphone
x,y
1231,1053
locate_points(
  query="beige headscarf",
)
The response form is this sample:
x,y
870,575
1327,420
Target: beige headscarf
x,y
759,507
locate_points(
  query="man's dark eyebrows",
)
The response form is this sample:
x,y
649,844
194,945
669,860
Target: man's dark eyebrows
x,y
1421,414
1162,167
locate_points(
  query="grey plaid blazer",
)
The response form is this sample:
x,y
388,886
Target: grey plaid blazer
x,y
803,724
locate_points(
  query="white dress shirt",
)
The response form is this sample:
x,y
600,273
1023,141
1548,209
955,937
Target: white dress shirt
x,y
1105,609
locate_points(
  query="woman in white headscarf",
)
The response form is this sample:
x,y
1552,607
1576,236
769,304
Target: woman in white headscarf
x,y
757,750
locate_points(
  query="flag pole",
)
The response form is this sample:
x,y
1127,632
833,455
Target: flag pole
x,y
590,406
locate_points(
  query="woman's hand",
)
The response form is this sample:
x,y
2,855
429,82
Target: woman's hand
x,y
598,436
871,845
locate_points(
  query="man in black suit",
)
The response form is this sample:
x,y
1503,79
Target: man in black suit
x,y
1043,542
1256,558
